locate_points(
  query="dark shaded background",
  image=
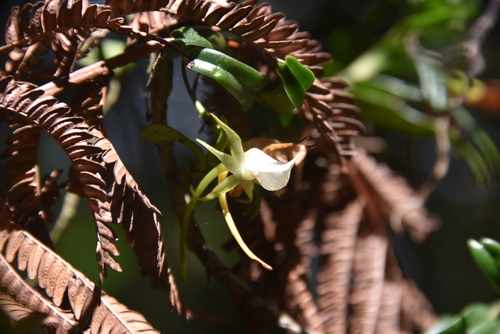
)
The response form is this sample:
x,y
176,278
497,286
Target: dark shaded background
x,y
441,266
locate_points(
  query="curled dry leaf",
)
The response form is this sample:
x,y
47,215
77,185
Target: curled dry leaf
x,y
58,278
111,192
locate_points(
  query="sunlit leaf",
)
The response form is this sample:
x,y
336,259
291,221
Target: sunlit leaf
x,y
297,79
188,36
245,74
239,91
491,326
485,261
448,325
475,314
493,247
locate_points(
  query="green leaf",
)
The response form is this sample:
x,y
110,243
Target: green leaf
x,y
491,326
245,74
448,325
285,120
297,79
485,261
487,149
239,91
384,109
493,247
278,100
430,72
475,314
188,36
474,160
157,133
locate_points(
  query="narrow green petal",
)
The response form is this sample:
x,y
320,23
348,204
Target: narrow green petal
x,y
234,139
233,165
229,183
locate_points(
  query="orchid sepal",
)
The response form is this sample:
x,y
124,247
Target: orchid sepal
x,y
230,162
225,186
235,143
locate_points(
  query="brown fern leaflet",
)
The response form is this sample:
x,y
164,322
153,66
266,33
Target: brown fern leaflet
x,y
331,216
58,278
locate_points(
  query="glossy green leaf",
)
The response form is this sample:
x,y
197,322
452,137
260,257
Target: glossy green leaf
x,y
448,325
188,36
493,247
297,79
245,74
238,90
485,261
491,326
475,314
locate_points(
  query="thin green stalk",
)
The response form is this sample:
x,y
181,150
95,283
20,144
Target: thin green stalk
x,y
204,183
199,107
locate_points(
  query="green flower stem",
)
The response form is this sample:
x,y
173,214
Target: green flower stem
x,y
234,230
205,182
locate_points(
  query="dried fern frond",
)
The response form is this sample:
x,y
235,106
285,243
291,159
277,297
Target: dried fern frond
x,y
58,278
112,193
393,197
320,218
338,247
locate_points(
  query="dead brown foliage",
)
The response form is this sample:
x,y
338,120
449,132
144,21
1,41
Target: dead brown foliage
x,y
333,212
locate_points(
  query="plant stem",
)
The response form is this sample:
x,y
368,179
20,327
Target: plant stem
x,y
204,183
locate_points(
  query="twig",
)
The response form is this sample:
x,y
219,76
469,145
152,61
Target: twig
x,y
100,69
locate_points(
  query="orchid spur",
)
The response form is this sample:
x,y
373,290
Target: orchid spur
x,y
246,168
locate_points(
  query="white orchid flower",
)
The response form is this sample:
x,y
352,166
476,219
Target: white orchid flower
x,y
253,164
245,168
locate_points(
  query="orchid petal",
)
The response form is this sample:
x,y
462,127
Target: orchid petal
x,y
234,140
229,183
233,165
271,174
